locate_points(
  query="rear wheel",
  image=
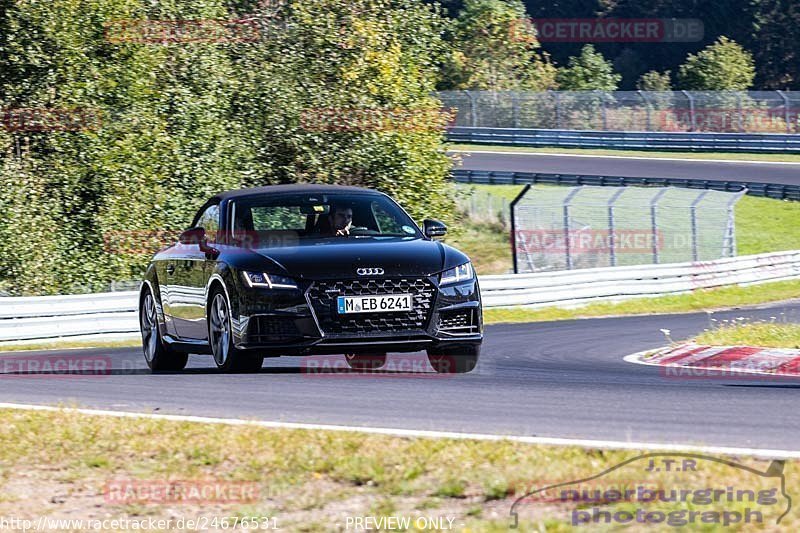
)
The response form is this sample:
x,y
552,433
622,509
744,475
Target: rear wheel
x,y
220,335
159,356
365,361
454,360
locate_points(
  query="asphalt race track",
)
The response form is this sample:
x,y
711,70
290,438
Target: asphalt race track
x,y
780,173
558,379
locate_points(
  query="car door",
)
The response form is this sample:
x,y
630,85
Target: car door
x,y
188,297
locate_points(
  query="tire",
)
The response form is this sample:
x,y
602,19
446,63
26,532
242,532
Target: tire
x,y
365,362
226,356
454,360
159,356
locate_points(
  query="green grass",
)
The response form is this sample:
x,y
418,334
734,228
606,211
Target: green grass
x,y
56,464
789,158
767,334
487,245
701,300
766,225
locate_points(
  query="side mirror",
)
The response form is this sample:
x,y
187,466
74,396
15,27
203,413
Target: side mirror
x,y
192,236
433,228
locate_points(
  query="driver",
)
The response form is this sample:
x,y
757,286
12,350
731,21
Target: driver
x,y
341,220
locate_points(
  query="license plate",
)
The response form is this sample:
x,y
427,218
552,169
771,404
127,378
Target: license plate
x,y
377,303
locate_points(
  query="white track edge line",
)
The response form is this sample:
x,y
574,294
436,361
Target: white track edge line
x,y
553,441
632,157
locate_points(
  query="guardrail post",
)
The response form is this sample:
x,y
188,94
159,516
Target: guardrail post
x,y
692,114
567,200
612,238
786,113
693,215
654,221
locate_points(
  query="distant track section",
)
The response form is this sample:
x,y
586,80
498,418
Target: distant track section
x,y
633,167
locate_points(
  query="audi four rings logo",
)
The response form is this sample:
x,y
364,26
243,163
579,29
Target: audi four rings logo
x,y
370,272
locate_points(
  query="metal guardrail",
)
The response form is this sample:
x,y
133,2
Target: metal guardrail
x,y
495,177
576,287
634,140
75,316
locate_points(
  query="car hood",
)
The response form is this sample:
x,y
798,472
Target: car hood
x,y
340,258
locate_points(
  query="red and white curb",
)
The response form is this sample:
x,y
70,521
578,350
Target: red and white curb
x,y
690,360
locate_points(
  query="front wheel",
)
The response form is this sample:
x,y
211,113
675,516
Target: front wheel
x,y
159,356
226,356
455,360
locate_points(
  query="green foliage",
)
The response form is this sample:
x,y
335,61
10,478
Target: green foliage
x,y
723,66
588,71
655,81
494,47
184,120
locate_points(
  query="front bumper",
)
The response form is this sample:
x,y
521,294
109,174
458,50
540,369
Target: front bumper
x,y
305,321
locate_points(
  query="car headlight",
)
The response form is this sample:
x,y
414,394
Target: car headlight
x,y
459,273
269,281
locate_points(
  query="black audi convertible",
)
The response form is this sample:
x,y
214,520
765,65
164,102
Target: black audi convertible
x,y
309,270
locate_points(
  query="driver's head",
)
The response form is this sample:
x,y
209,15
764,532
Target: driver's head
x,y
341,217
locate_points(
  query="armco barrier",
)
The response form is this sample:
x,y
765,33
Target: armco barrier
x,y
496,177
73,316
634,140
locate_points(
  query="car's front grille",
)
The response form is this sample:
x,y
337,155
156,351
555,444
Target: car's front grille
x,y
323,294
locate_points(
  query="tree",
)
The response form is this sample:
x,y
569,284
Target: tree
x,y
588,71
723,66
655,81
182,120
776,44
494,47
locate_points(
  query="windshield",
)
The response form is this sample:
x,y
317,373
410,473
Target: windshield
x,y
274,220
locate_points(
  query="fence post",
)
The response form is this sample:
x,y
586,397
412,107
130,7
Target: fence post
x,y
693,214
567,200
603,109
512,211
473,113
515,108
558,110
786,113
647,108
692,115
612,238
739,111
654,221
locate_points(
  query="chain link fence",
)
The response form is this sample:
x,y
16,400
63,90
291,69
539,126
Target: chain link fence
x,y
677,111
565,228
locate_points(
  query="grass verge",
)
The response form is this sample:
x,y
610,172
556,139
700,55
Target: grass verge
x,y
701,300
61,465
721,156
767,334
70,345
